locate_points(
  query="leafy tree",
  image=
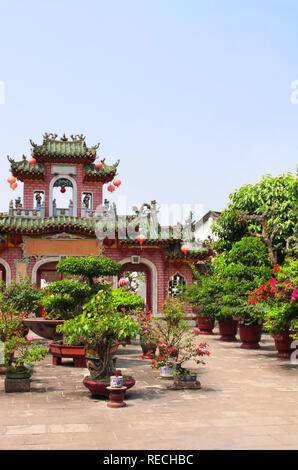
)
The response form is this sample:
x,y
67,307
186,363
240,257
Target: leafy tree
x,y
89,268
123,299
98,327
64,299
242,269
266,210
206,292
21,296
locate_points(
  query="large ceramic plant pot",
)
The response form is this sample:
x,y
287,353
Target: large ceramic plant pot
x,y
17,381
206,325
186,381
44,328
98,388
250,336
228,330
283,344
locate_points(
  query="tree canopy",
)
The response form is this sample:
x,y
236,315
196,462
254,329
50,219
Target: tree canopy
x,y
266,210
91,267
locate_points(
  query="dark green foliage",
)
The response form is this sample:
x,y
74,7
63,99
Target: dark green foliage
x,y
22,296
241,270
63,299
124,299
276,194
206,292
90,268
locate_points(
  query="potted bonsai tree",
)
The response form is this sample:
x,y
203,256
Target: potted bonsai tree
x,y
11,323
127,301
24,352
168,333
279,295
242,269
98,327
188,350
84,270
21,296
148,336
203,294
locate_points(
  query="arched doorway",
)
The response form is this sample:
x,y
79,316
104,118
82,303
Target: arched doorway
x,y
47,273
63,196
140,277
2,273
5,272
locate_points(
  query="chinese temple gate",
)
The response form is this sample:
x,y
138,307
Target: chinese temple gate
x,y
36,233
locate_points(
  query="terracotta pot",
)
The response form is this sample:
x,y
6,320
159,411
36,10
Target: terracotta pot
x,y
206,325
283,344
228,330
98,388
250,335
44,328
146,348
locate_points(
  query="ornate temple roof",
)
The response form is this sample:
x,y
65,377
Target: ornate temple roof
x,y
74,151
64,150
44,225
103,175
23,170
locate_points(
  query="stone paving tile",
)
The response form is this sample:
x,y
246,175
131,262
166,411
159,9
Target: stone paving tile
x,y
248,400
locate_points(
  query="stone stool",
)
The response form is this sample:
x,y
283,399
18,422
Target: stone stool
x,y
116,396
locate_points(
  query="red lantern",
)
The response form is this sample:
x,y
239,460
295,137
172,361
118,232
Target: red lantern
x,y
185,249
117,182
62,190
141,238
111,188
98,165
13,186
11,179
32,161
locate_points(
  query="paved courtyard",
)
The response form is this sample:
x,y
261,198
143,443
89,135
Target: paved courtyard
x,y
248,400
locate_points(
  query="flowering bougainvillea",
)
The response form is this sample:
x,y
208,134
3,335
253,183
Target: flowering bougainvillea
x,y
280,294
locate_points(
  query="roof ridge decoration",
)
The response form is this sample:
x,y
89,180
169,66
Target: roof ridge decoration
x,y
63,149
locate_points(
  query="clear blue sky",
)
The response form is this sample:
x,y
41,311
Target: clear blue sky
x,y
193,96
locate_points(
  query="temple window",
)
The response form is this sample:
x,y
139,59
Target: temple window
x,y
176,285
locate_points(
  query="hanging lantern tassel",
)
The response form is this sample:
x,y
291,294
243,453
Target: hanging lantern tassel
x,y
185,249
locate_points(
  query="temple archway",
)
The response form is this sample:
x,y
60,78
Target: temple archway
x,y
44,271
5,272
149,269
70,186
